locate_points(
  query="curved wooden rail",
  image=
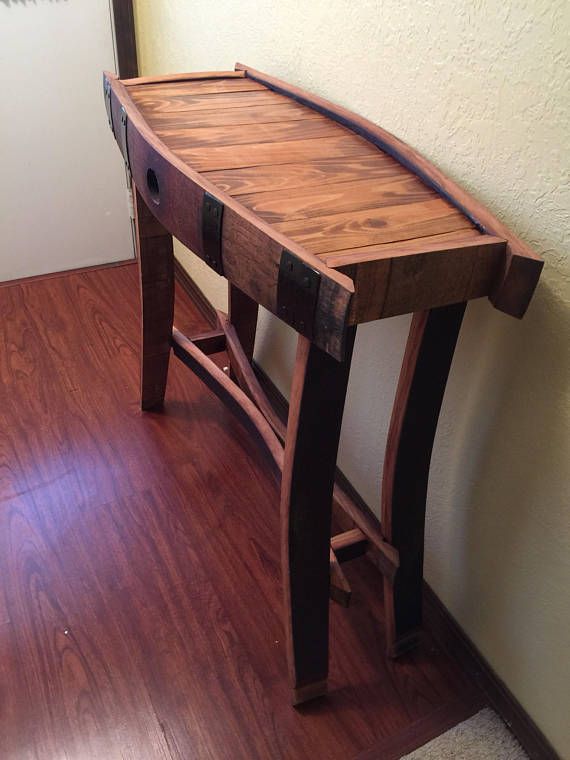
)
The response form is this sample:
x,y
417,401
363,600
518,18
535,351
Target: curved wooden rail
x,y
419,395
387,557
218,382
521,267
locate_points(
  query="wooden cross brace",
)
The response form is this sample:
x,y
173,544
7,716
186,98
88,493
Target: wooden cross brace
x,y
304,452
344,546
389,234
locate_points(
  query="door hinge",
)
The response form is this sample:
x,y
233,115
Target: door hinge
x,y
130,202
107,95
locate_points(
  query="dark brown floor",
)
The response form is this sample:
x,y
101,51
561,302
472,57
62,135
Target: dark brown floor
x,y
140,604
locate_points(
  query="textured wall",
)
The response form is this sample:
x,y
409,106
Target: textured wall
x,y
482,88
54,148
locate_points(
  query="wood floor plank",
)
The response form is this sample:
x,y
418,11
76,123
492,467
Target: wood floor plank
x,y
139,562
311,173
445,717
275,153
63,653
374,226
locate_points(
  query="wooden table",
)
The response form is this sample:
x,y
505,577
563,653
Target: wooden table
x,y
327,221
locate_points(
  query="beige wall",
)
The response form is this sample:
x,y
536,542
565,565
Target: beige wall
x,y
482,88
63,193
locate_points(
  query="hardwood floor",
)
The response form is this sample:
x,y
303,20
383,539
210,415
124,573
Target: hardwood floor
x,y
140,604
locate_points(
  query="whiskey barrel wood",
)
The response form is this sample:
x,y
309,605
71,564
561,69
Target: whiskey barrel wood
x,y
386,231
327,221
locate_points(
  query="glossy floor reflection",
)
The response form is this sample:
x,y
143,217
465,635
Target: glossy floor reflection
x,y
140,604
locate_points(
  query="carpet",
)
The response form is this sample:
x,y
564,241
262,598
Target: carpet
x,y
482,737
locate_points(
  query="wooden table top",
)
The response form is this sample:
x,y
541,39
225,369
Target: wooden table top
x,y
334,188
311,178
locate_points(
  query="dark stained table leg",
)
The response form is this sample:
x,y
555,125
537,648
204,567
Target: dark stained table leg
x,y
315,416
427,361
156,267
242,314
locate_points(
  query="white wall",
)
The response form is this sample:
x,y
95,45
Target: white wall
x,y
482,89
62,183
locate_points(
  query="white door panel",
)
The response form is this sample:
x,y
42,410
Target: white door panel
x,y
63,201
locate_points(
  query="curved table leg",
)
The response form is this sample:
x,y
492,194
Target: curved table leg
x,y
242,313
425,368
315,416
156,269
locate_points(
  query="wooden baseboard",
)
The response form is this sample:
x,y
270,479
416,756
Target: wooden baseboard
x,y
422,731
449,635
66,272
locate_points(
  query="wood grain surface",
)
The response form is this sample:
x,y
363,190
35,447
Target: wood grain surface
x,y
301,176
233,397
301,203
242,313
521,266
354,229
282,111
182,77
454,267
340,145
174,91
219,150
140,595
156,271
125,37
251,249
419,395
205,101
318,393
239,134
332,184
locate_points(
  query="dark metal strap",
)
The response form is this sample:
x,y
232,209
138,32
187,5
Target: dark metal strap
x,y
212,216
124,143
297,293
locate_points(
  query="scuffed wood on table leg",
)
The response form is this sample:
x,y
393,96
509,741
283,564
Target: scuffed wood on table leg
x,y
425,369
315,416
156,268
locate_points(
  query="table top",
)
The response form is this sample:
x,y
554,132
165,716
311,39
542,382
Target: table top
x,y
309,177
345,196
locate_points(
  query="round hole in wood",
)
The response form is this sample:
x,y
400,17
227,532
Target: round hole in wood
x,y
152,184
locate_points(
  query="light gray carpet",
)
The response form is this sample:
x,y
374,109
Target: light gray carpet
x,y
482,737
